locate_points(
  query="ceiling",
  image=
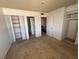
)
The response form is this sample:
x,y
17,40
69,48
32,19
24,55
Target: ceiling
x,y
36,5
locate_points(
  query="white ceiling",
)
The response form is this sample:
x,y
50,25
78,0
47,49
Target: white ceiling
x,y
36,5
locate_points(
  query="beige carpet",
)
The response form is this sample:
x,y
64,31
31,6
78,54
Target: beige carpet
x,y
42,48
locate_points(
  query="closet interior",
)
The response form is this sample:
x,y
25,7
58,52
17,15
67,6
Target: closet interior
x,y
16,27
71,26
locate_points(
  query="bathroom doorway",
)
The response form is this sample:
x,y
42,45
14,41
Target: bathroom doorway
x,y
43,25
31,26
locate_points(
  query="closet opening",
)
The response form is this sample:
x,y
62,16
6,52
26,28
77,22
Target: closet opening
x,y
70,27
16,27
31,26
43,25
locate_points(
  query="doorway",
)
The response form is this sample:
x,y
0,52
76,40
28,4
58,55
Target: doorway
x,y
43,25
31,26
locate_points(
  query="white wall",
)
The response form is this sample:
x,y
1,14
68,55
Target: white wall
x,y
5,40
37,16
22,25
55,23
50,25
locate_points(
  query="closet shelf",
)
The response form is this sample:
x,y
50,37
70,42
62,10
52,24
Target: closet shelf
x,y
16,27
72,12
72,18
17,33
16,23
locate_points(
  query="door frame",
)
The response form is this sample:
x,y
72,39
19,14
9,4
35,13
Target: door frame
x,y
34,24
45,24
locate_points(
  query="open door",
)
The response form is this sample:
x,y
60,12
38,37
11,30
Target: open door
x,y
31,26
43,25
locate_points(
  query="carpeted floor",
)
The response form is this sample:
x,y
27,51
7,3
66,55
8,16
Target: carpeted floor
x,y
42,48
